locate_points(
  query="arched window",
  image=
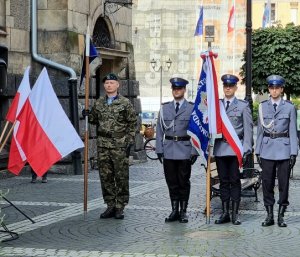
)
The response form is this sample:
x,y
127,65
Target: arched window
x,y
101,35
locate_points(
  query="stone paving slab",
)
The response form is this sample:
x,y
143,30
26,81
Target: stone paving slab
x,y
61,229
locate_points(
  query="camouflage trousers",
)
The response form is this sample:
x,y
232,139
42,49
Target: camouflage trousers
x,y
114,176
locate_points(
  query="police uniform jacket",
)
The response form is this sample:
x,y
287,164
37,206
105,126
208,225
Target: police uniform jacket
x,y
283,121
176,124
240,117
116,123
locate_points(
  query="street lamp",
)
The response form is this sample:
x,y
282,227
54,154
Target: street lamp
x,y
158,67
249,54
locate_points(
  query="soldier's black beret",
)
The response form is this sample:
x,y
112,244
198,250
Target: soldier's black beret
x,y
275,80
110,76
178,82
229,79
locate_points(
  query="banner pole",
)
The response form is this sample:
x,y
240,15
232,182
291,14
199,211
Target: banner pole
x,y
208,193
7,136
86,135
3,131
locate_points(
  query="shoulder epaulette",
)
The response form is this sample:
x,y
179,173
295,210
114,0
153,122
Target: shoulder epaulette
x,y
264,101
243,101
191,102
288,101
165,103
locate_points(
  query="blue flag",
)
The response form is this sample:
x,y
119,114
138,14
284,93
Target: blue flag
x,y
93,56
199,28
198,125
266,15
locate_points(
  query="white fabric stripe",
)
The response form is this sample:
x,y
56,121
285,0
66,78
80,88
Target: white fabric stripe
x,y
230,128
52,117
210,98
24,90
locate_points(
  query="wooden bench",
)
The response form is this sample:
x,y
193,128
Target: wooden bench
x,y
250,181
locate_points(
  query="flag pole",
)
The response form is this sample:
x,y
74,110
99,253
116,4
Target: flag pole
x,y
7,136
208,193
86,136
4,130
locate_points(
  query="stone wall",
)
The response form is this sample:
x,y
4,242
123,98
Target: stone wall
x,y
61,28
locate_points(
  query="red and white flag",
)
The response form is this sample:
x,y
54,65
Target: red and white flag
x,y
231,20
45,134
17,158
219,123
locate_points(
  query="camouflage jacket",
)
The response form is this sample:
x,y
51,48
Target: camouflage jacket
x,y
116,123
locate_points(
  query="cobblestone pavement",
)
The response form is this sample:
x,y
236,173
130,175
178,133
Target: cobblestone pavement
x,y
61,229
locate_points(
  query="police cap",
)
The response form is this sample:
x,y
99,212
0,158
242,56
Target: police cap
x,y
178,82
229,79
275,80
110,76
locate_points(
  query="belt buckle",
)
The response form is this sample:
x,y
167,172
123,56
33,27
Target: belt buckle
x,y
175,138
273,135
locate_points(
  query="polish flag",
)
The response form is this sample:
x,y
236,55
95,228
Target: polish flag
x,y
219,123
45,133
17,158
231,20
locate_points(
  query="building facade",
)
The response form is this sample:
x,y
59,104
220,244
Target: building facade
x,y
60,30
164,30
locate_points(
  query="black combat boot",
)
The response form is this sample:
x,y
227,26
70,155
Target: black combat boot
x,y
280,220
235,213
108,213
119,213
224,218
269,221
174,215
183,217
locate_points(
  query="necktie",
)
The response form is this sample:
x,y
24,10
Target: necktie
x,y
275,106
227,105
177,107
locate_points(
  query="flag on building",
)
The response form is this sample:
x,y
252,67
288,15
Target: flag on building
x,y
231,20
199,27
45,133
17,158
266,15
93,54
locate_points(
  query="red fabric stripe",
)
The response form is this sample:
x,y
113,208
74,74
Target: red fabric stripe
x,y
39,150
232,143
12,112
216,92
15,162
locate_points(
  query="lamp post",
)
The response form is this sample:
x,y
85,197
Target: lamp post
x,y
156,66
248,96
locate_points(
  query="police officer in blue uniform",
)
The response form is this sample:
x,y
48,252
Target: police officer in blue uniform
x,y
276,147
239,114
174,149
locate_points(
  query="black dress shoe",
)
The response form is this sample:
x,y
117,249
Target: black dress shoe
x,y
268,222
224,218
108,213
33,180
174,215
119,214
183,217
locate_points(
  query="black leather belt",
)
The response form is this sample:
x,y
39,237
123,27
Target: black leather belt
x,y
224,139
276,135
176,138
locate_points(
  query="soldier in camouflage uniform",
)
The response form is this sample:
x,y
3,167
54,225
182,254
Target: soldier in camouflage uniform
x,y
116,123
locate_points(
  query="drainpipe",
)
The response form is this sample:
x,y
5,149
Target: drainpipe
x,y
72,83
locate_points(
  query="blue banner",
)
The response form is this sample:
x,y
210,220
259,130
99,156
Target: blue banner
x,y
198,124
